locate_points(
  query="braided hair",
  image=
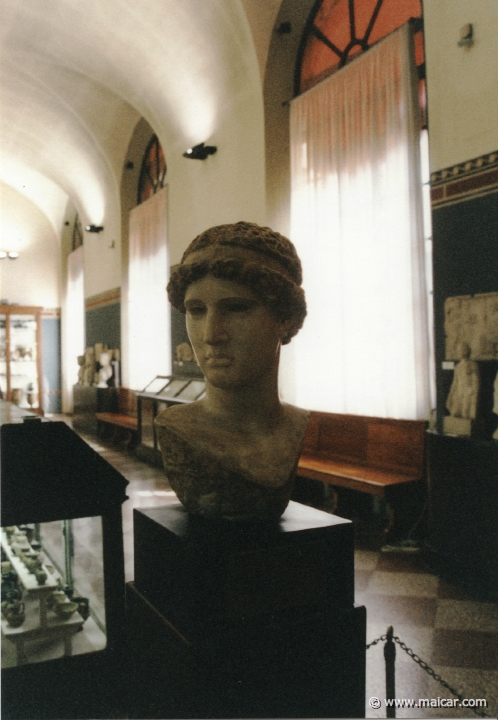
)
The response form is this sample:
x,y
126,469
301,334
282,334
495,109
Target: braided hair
x,y
272,269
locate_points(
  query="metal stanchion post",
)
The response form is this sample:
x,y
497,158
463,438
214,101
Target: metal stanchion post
x,y
390,657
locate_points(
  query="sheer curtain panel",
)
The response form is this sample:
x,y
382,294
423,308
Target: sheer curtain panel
x,y
149,344
358,226
73,327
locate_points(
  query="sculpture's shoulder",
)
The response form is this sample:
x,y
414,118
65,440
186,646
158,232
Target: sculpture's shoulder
x,y
181,416
221,470
297,419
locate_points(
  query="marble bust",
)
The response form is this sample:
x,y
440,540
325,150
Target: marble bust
x,y
233,454
105,372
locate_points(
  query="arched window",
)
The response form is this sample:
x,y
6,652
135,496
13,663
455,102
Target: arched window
x,y
152,172
359,173
77,240
148,348
337,31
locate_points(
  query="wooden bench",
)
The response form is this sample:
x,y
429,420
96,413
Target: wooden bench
x,y
123,424
378,456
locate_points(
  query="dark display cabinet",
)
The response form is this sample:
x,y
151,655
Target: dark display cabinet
x,y
463,510
62,573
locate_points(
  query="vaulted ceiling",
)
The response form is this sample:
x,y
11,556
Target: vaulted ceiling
x,y
76,77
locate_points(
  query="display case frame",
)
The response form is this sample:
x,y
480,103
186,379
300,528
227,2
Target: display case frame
x,y
7,347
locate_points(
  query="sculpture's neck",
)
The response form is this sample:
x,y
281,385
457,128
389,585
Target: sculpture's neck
x,y
255,407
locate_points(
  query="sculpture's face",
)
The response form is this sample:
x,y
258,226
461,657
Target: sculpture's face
x,y
234,336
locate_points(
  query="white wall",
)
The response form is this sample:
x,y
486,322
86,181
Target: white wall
x,y
462,82
224,108
227,187
34,278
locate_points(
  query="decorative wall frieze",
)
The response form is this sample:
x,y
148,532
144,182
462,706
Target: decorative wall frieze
x,y
465,181
110,297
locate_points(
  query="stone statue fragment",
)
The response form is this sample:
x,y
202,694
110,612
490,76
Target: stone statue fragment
x,y
233,454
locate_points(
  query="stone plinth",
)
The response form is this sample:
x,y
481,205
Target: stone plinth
x,y
198,572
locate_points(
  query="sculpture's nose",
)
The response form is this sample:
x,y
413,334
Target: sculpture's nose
x,y
215,330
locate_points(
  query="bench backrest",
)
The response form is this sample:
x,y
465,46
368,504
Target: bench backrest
x,y
127,402
396,445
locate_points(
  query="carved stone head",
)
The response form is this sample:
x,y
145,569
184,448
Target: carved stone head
x,y
251,255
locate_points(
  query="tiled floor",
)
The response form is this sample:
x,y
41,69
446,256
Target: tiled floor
x,y
444,625
448,629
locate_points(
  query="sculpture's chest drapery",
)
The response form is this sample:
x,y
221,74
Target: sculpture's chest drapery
x,y
216,473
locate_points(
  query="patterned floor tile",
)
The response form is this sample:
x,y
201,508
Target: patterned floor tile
x,y
449,591
467,615
399,610
392,562
465,649
365,559
472,684
361,579
396,583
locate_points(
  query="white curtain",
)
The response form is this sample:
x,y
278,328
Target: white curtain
x,y
149,343
358,226
73,327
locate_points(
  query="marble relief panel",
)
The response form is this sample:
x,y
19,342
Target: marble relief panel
x,y
473,321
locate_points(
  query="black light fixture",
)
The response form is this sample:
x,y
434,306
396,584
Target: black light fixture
x,y
94,228
284,28
200,152
466,36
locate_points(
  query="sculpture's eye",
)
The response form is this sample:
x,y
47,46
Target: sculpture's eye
x,y
238,306
195,309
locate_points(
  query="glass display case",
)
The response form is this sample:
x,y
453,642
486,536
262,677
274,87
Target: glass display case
x,y
20,355
162,392
63,613
53,602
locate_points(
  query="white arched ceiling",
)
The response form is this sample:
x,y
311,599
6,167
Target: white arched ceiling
x,y
76,76
34,278
37,188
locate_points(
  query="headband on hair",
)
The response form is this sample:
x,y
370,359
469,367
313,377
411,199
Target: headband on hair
x,y
256,257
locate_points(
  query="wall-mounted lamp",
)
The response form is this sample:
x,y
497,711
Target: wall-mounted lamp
x,y
466,36
94,228
284,28
12,255
200,152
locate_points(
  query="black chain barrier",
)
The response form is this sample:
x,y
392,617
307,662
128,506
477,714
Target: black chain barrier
x,y
427,669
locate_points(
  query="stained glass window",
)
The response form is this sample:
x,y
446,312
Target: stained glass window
x,y
77,240
152,172
338,30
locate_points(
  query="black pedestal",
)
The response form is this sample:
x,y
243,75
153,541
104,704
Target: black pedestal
x,y
256,620
193,569
463,507
89,400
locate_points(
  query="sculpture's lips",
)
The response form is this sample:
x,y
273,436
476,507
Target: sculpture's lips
x,y
218,360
